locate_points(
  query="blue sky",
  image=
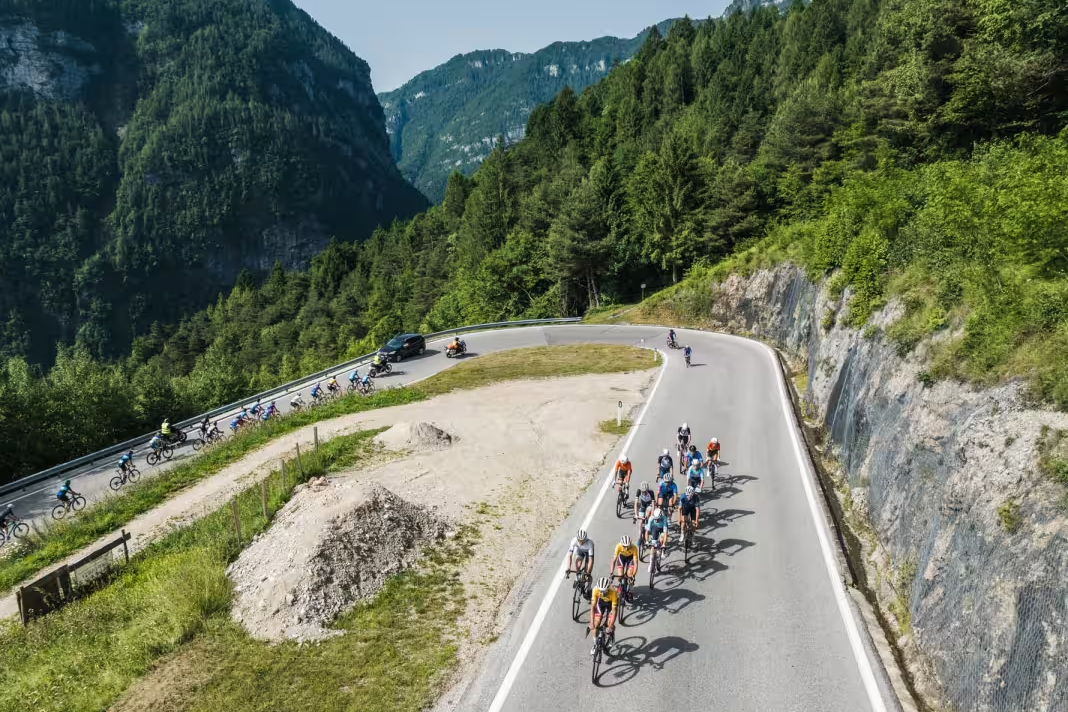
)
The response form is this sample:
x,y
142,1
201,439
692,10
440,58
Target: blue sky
x,y
399,39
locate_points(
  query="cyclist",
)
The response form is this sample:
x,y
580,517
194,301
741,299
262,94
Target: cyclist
x,y
156,442
7,517
623,472
354,377
690,507
332,385
671,336
695,476
625,562
66,494
604,600
296,402
643,500
235,423
317,391
665,463
713,450
684,437
126,462
205,426
686,351
668,493
693,455
254,410
581,551
657,528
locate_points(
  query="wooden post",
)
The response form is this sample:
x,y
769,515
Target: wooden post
x,y
315,431
300,463
237,519
283,476
125,549
263,496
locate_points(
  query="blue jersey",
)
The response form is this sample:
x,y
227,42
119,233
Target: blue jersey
x,y
353,376
124,459
668,490
687,351
692,501
62,494
316,391
660,523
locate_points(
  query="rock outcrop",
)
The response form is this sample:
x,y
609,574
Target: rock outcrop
x,y
964,540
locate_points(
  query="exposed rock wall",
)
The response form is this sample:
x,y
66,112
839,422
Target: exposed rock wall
x,y
964,540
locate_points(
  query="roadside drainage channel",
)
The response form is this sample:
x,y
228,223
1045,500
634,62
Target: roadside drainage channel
x,y
851,553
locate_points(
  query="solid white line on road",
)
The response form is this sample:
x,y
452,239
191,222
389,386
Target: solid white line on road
x,y
546,602
867,675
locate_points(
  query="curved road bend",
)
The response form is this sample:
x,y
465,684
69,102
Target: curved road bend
x,y
758,620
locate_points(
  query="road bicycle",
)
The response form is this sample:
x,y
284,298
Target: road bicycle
x,y
131,475
159,455
578,594
687,537
15,529
622,500
75,503
654,561
213,436
601,647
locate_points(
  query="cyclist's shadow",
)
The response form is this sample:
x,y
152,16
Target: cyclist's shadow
x,y
649,603
635,652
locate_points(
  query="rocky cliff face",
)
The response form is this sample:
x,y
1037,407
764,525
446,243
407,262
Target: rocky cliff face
x,y
963,538
154,150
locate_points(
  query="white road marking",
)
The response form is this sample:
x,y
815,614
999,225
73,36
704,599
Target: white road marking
x,y
546,602
867,675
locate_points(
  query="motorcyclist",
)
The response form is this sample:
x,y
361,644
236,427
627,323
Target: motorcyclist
x,y
165,429
378,363
457,345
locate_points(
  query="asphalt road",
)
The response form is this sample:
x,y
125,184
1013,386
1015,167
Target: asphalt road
x,y
758,620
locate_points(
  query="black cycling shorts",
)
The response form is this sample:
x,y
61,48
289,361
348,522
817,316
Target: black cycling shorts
x,y
604,607
689,512
624,561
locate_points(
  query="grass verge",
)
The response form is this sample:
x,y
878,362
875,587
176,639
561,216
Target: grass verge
x,y
610,427
85,655
57,542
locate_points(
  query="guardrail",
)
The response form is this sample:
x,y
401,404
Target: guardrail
x,y
285,388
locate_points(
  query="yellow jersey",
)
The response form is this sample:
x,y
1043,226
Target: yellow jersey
x,y
610,594
631,551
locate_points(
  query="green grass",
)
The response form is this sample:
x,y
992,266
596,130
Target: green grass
x,y
610,314
62,539
1009,516
85,655
610,427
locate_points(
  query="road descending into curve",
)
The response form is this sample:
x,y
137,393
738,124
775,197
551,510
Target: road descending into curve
x,y
759,620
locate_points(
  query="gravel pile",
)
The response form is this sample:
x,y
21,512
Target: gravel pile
x,y
415,437
330,547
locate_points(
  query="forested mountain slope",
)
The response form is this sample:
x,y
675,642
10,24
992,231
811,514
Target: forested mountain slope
x,y
150,150
449,117
907,144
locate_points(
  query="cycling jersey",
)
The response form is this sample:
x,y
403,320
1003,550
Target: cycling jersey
x,y
353,376
63,492
608,595
645,499
657,523
713,447
695,473
582,549
665,462
124,459
684,435
623,469
687,351
692,457
316,391
628,552
689,505
668,490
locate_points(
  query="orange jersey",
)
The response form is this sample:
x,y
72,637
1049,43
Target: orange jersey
x,y
622,467
713,447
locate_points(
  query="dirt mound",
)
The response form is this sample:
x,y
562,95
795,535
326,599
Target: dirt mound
x,y
331,546
417,437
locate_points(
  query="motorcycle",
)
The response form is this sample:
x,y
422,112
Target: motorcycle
x,y
177,437
381,370
459,350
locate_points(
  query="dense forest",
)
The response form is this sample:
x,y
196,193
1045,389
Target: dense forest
x,y
448,117
904,145
152,149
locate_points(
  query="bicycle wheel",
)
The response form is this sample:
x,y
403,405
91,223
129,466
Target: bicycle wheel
x,y
643,550
167,452
58,512
598,651
133,475
153,458
198,443
686,535
116,483
78,503
652,565
576,600
20,530
370,389
619,504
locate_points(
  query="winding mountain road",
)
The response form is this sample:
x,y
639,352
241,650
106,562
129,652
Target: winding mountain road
x,y
759,620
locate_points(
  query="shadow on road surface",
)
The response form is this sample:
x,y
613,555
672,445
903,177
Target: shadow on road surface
x,y
633,653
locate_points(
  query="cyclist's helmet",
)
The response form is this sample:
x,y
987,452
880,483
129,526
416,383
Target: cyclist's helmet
x,y
657,513
625,541
603,583
665,452
693,448
581,536
130,453
685,426
668,477
689,491
624,459
67,483
715,441
644,487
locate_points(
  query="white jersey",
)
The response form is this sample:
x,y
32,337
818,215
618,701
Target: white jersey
x,y
583,549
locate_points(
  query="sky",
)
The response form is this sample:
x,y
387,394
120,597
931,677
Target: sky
x,y
402,38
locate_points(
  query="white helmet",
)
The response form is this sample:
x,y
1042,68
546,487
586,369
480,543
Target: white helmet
x,y
625,541
715,441
667,477
657,513
603,583
665,452
643,487
689,491
685,426
581,535
623,458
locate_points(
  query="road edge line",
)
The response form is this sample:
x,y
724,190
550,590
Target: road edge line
x,y
543,609
864,663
